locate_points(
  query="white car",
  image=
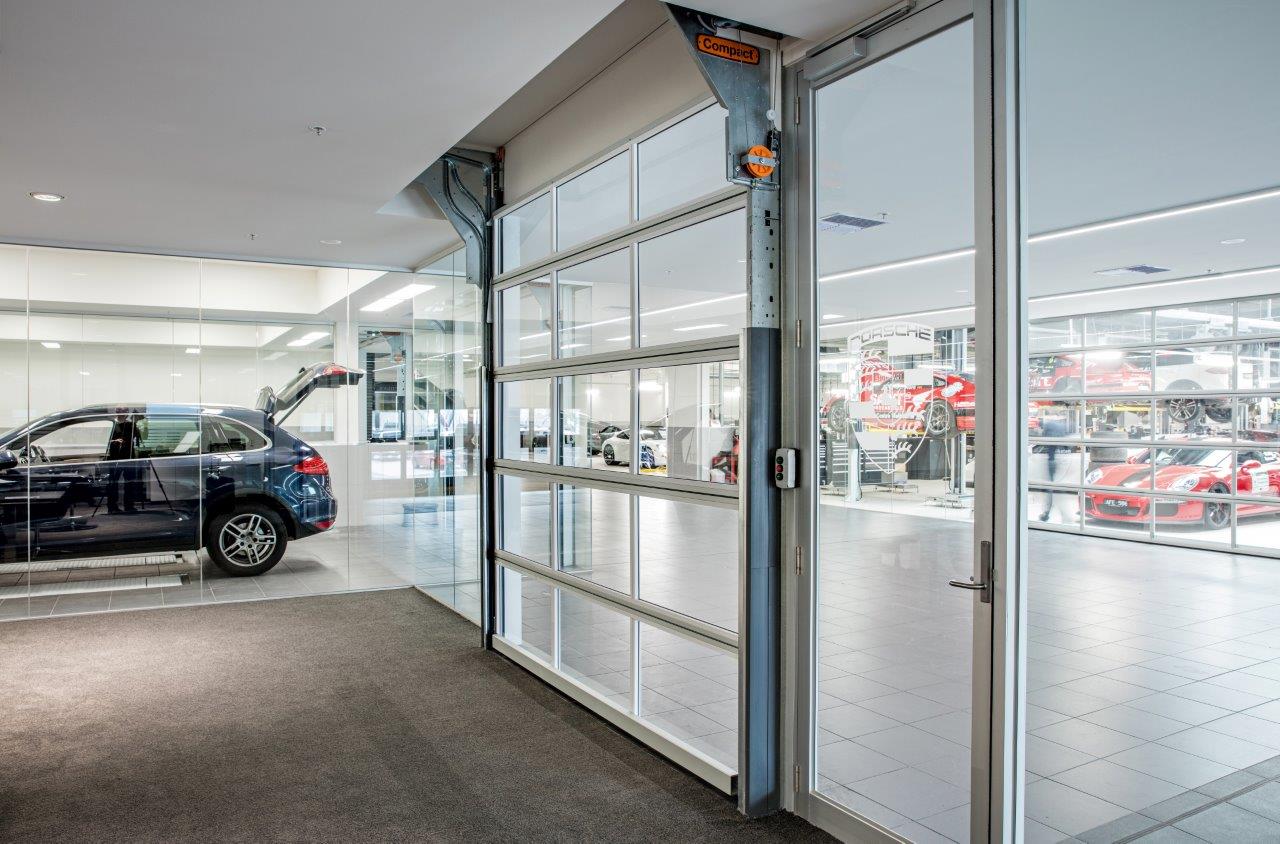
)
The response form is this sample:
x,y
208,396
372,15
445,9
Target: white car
x,y
653,449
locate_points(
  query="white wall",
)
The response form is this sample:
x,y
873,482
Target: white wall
x,y
653,80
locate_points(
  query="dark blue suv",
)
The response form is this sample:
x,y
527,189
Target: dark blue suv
x,y
110,480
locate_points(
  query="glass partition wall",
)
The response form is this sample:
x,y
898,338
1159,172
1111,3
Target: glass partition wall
x,y
1149,285
618,407
175,435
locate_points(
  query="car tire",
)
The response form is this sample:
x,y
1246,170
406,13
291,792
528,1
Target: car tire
x,y
246,541
838,415
1217,514
609,459
940,420
1184,411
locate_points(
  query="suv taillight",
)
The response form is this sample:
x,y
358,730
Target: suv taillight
x,y
313,465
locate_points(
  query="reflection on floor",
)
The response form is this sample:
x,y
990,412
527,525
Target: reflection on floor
x,y
401,542
1153,672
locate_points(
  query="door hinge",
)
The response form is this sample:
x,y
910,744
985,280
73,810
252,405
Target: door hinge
x,y
799,334
795,779
797,112
799,560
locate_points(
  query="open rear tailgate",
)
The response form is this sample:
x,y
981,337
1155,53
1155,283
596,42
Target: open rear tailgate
x,y
320,376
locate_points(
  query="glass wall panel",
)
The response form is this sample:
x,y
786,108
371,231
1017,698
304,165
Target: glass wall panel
x,y
526,420
1257,418
690,691
445,431
595,648
258,421
693,282
526,322
1258,366
1146,643
1203,321
595,305
683,162
595,536
1051,335
689,417
594,203
1194,368
1258,316
528,613
689,559
525,233
526,519
595,413
1117,329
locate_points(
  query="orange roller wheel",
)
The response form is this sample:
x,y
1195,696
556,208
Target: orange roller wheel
x,y
759,162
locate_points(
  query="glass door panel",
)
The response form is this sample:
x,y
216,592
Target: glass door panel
x,y
896,394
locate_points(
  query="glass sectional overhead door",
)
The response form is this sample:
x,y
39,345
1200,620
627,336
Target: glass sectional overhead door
x,y
618,402
892,737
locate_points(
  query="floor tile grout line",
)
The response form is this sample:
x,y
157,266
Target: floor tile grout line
x,y
1177,819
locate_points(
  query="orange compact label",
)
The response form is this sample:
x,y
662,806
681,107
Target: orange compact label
x,y
734,51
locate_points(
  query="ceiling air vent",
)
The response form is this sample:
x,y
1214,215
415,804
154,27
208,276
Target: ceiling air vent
x,y
844,223
1134,269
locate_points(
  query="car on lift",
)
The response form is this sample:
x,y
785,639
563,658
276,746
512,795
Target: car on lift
x,y
941,408
130,479
616,450
1191,469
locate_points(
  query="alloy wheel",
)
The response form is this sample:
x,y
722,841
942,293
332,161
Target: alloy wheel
x,y
247,539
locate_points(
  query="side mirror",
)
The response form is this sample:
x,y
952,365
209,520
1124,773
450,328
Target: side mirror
x,y
1251,464
8,459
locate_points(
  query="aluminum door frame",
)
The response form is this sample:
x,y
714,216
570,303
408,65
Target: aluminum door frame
x,y
998,518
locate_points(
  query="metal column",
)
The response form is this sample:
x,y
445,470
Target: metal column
x,y
741,73
446,182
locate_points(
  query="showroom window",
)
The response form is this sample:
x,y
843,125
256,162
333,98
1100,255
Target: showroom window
x,y
619,427
119,368
1159,455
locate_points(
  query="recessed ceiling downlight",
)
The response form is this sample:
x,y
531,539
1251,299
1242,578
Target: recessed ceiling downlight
x,y
331,241
1231,241
45,196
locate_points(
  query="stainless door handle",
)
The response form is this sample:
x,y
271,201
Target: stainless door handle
x,y
984,570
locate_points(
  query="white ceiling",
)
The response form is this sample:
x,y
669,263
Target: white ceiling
x,y
181,127
809,19
1121,120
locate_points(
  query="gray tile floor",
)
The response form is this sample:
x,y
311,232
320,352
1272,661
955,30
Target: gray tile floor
x,y
1153,684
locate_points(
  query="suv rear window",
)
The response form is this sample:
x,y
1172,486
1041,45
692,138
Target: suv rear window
x,y
165,436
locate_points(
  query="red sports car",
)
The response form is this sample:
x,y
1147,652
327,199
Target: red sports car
x,y
1066,374
1188,469
940,409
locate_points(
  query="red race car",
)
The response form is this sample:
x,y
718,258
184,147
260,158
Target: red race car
x,y
1106,374
941,409
1187,469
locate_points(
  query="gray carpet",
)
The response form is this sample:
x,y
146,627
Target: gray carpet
x,y
363,717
